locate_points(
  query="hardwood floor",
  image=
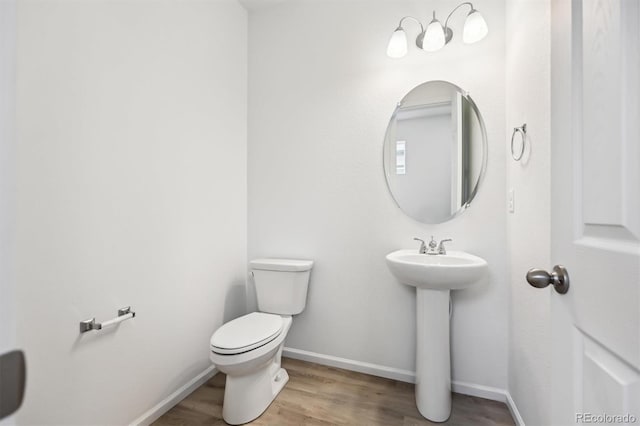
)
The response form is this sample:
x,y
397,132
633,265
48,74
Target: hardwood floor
x,y
320,395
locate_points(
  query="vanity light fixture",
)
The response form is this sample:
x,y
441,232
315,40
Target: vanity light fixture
x,y
436,36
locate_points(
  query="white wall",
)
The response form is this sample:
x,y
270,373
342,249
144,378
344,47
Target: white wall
x,y
7,179
528,100
321,91
131,125
7,173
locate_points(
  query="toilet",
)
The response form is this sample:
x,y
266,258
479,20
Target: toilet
x,y
249,349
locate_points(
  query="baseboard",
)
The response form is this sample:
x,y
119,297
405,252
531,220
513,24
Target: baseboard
x,y
349,364
170,401
487,392
514,411
481,391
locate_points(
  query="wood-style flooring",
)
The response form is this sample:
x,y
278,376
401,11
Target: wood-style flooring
x,y
321,395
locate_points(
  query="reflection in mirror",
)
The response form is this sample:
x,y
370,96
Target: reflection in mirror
x,y
435,152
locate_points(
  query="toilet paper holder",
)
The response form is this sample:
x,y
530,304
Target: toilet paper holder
x,y
91,324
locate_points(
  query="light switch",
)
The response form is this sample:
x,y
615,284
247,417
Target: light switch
x,y
511,201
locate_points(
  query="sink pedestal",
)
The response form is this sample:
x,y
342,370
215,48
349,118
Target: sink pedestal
x,y
434,277
433,362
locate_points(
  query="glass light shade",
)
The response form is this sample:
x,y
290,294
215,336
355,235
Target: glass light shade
x,y
397,47
433,37
475,27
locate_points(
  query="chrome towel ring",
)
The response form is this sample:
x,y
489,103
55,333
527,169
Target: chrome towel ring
x,y
522,130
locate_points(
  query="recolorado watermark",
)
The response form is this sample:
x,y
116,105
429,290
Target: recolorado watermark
x,y
605,418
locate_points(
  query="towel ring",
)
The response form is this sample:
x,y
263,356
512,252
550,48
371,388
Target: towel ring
x,y
523,134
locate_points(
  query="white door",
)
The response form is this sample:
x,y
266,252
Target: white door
x,y
595,207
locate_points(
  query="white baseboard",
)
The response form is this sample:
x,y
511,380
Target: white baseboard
x,y
481,391
170,401
487,392
349,364
514,411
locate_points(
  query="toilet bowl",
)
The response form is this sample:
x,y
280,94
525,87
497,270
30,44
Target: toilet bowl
x,y
254,376
248,349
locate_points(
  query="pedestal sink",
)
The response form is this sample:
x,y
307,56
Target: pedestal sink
x,y
434,276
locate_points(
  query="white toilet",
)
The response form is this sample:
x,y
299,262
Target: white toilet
x,y
248,349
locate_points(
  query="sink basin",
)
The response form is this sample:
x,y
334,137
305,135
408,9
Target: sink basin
x,y
434,276
452,271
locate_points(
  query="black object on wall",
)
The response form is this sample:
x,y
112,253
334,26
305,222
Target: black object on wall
x,y
13,375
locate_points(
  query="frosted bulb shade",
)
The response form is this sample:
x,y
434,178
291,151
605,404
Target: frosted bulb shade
x,y
475,28
433,37
397,47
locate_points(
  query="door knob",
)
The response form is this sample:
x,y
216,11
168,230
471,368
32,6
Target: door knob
x,y
540,278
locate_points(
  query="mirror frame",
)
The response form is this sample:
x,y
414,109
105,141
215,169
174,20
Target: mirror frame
x,y
485,152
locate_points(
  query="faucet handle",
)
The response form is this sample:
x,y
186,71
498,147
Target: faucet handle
x,y
441,249
432,243
423,247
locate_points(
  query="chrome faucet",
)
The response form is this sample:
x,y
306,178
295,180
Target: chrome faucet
x,y
434,248
441,249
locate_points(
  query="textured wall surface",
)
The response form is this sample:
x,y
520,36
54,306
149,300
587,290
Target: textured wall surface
x,y
321,92
131,126
7,180
528,101
7,173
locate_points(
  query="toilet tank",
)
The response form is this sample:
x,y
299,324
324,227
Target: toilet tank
x,y
281,284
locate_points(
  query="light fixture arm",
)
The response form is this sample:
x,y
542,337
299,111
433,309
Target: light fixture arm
x,y
412,18
448,33
420,38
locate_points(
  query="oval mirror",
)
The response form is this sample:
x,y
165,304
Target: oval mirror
x,y
435,152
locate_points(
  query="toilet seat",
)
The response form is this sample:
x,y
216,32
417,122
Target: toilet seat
x,y
246,333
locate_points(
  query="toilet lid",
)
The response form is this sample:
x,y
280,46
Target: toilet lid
x,y
246,333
